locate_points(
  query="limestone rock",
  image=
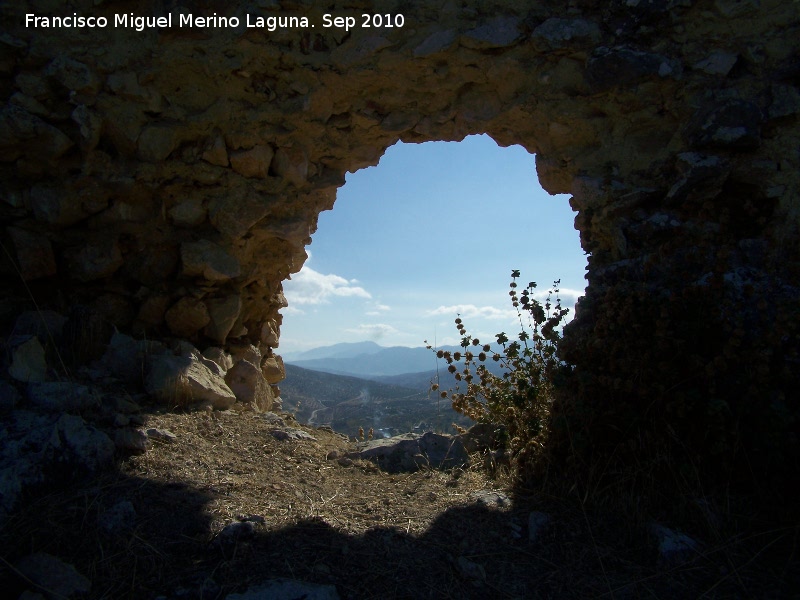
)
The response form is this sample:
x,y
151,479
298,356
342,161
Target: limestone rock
x,y
95,260
223,313
492,499
28,361
44,324
90,125
164,436
206,259
187,316
80,445
718,62
674,547
126,85
217,153
538,522
219,356
53,576
436,42
499,32
291,164
292,433
233,534
126,358
273,368
785,101
25,135
234,214
181,380
248,384
246,352
269,335
73,75
624,67
732,124
55,205
189,213
410,452
34,254
557,33
61,396
130,440
9,396
254,162
157,142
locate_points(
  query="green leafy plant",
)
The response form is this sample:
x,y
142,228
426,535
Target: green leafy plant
x,y
519,399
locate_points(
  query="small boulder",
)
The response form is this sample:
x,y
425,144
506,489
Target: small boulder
x,y
410,452
61,396
674,547
182,380
28,361
248,384
134,441
537,523
187,316
273,368
208,260
291,433
51,575
219,356
74,442
161,435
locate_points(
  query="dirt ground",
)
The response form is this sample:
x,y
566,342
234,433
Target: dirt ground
x,y
313,518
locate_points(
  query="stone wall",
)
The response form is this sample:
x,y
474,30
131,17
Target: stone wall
x,y
170,179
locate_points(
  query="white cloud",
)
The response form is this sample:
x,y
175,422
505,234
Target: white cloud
x,y
568,296
374,331
378,309
470,311
311,287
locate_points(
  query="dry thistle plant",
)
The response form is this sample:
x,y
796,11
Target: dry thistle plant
x,y
521,396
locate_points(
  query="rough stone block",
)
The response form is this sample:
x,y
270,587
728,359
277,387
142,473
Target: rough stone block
x,y
34,254
254,162
187,316
181,380
207,259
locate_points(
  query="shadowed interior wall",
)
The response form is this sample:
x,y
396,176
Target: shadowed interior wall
x,y
170,179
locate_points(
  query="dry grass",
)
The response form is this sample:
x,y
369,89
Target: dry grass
x,y
372,534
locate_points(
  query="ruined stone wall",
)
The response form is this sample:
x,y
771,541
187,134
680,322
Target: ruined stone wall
x,y
169,179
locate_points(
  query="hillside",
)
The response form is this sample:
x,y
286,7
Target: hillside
x,y
347,403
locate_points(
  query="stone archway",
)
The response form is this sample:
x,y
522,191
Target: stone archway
x,y
170,178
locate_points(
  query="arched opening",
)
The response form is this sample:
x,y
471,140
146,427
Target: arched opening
x,y
430,233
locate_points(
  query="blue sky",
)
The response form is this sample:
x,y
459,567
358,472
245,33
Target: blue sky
x,y
432,231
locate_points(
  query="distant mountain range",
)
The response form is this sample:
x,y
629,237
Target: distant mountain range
x,y
343,350
347,403
363,384
395,365
365,359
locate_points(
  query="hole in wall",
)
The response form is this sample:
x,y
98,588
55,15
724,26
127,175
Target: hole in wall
x,y
433,231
